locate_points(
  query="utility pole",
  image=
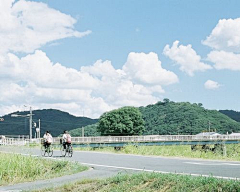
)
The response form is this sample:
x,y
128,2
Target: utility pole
x,y
30,125
30,122
83,127
82,131
209,126
39,129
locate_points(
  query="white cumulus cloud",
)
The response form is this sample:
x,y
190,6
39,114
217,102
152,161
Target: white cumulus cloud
x,y
146,68
34,80
26,25
209,84
186,57
225,36
38,68
225,60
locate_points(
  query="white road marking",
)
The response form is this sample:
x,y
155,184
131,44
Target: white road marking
x,y
164,172
126,168
231,164
25,154
211,164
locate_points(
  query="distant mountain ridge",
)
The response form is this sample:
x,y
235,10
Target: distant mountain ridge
x,y
163,118
172,118
55,121
235,115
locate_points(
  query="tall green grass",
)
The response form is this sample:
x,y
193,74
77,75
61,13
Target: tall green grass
x,y
18,168
233,151
152,182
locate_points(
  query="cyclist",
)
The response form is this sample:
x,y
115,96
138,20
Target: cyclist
x,y
66,139
47,139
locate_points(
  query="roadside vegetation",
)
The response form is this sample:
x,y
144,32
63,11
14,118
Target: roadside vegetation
x,y
233,151
18,168
148,182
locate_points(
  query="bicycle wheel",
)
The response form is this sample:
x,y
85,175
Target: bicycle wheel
x,y
63,151
70,151
50,151
43,150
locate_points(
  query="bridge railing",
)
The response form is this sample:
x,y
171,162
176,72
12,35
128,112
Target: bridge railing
x,y
148,138
124,139
15,136
14,141
17,140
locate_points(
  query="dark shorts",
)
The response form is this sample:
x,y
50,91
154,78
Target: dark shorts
x,y
46,144
66,144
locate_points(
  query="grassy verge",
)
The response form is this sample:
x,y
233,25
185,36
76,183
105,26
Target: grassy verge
x,y
149,182
17,168
233,151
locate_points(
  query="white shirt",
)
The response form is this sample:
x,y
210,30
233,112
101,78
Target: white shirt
x,y
64,137
48,137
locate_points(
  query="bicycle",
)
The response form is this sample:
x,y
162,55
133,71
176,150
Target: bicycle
x,y
68,151
47,151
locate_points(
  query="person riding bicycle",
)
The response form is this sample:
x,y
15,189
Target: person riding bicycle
x,y
47,139
66,139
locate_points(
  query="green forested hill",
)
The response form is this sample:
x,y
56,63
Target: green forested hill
x,y
89,131
168,117
162,118
53,120
232,114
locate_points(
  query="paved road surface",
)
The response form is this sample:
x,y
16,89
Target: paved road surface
x,y
108,164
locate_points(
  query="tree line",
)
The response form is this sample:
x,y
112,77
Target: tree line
x,y
163,118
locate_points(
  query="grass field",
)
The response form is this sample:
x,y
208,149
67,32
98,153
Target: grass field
x,y
18,168
151,182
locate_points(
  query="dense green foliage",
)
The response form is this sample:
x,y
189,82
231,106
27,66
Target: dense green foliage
x,y
89,131
18,168
170,118
232,114
123,121
163,118
53,120
152,182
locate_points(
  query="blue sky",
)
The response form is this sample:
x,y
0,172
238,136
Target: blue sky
x,y
94,56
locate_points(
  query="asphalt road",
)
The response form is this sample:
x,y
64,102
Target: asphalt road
x,y
108,164
160,164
